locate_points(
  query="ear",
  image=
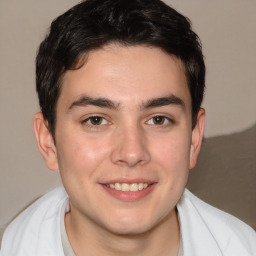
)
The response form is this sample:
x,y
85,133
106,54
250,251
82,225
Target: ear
x,y
45,141
197,137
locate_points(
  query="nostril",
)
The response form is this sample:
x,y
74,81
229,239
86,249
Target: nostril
x,y
130,159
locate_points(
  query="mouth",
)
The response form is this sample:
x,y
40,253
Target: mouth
x,y
129,191
125,187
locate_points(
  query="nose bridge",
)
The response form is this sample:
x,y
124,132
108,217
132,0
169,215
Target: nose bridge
x,y
131,146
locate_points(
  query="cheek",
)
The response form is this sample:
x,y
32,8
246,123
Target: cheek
x,y
173,151
80,156
172,155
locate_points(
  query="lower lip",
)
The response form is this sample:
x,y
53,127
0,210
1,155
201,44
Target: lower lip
x,y
129,196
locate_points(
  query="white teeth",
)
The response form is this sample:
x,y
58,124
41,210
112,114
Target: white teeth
x,y
141,186
128,187
134,187
118,186
125,187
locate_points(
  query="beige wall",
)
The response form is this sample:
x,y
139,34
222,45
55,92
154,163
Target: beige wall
x,y
227,31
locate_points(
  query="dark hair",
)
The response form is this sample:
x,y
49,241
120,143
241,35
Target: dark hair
x,y
95,23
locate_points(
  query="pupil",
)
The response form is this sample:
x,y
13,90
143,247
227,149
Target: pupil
x,y
96,120
159,120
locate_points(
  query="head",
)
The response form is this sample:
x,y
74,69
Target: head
x,y
120,85
94,23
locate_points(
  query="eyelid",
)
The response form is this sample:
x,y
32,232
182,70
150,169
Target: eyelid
x,y
90,115
168,118
85,121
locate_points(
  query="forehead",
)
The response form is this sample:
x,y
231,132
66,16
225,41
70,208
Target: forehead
x,y
127,75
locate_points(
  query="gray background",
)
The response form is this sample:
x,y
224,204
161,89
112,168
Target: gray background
x,y
226,174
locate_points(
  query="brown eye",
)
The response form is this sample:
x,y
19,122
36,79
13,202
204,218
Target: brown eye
x,y
96,120
159,120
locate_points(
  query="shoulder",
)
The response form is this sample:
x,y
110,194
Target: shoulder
x,y
35,226
228,234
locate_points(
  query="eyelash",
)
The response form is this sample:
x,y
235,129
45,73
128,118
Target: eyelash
x,y
167,120
88,121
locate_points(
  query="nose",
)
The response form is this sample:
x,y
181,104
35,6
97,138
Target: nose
x,y
130,148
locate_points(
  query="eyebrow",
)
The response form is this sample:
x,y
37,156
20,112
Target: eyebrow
x,y
106,103
164,101
98,102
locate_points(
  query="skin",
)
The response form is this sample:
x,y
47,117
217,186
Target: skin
x,y
126,143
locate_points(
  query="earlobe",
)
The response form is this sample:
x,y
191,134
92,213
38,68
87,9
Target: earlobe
x,y
197,137
45,141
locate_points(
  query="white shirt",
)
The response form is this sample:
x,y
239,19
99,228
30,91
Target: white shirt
x,y
205,230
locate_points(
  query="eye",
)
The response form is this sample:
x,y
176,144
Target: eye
x,y
159,120
95,121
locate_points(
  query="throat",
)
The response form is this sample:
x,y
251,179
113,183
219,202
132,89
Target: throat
x,y
163,239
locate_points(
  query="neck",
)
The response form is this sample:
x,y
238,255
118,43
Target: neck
x,y
87,238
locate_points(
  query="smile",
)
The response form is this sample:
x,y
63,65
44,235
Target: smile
x,y
125,187
129,191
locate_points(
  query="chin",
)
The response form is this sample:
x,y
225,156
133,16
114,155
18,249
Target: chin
x,y
129,230
130,225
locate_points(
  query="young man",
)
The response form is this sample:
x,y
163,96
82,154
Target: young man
x,y
120,85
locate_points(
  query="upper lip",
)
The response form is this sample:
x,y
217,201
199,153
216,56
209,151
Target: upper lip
x,y
128,181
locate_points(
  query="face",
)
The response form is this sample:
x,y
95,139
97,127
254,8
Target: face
x,y
124,141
